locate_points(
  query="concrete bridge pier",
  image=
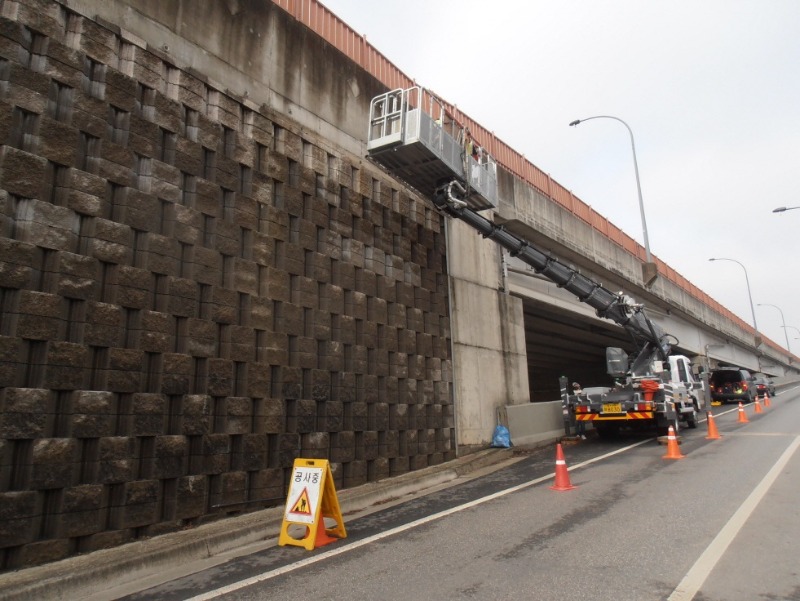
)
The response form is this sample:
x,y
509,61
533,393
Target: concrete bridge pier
x,y
490,368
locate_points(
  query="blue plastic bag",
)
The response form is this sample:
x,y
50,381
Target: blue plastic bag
x,y
501,437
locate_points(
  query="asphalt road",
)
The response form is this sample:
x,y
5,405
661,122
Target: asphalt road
x,y
723,524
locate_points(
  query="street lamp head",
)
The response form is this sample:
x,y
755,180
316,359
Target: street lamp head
x,y
574,123
778,210
712,259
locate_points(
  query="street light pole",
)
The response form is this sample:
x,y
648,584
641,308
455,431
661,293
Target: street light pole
x,y
788,348
749,295
783,209
649,271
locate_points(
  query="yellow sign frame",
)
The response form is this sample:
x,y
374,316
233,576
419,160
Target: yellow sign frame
x,y
311,498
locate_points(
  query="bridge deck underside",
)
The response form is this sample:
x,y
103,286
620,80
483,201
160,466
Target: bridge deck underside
x,y
562,343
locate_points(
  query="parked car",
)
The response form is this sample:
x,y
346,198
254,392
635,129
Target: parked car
x,y
764,385
732,384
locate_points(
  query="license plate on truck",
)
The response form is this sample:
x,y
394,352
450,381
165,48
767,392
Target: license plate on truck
x,y
612,407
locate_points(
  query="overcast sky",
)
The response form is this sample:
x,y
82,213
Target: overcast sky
x,y
710,89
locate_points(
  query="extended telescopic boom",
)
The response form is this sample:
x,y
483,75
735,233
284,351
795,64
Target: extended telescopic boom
x,y
610,305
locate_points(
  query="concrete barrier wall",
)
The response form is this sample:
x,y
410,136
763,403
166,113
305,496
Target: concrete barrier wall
x,y
534,423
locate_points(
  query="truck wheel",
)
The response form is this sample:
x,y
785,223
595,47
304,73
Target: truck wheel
x,y
664,429
691,420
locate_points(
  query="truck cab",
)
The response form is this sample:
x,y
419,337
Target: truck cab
x,y
686,385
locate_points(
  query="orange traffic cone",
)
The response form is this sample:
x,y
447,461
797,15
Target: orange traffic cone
x,y
713,434
322,538
742,415
562,475
758,406
673,452
766,399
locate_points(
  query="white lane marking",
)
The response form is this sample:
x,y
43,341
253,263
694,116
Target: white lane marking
x,y
778,434
698,573
391,532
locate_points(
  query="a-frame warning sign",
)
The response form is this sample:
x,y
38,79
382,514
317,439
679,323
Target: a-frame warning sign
x,y
311,499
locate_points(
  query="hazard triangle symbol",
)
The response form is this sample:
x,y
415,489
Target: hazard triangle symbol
x,y
303,505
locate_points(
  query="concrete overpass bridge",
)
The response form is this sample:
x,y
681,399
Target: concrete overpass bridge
x,y
546,332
